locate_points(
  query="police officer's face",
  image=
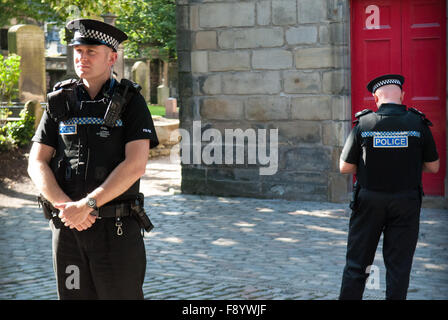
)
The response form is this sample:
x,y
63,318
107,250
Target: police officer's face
x,y
93,61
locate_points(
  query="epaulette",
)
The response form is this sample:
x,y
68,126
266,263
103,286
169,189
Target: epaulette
x,y
360,114
131,84
422,115
63,84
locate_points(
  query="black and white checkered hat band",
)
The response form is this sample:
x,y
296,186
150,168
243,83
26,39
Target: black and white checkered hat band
x,y
97,35
386,82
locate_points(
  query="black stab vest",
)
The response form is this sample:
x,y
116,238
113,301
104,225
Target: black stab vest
x,y
385,164
88,151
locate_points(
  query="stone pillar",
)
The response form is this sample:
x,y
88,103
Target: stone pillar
x,y
140,75
70,71
28,42
119,65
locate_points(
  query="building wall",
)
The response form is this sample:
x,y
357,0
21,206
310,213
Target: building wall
x,y
268,64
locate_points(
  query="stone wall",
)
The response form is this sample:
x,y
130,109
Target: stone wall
x,y
268,64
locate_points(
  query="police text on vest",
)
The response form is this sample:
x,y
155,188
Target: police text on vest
x,y
390,142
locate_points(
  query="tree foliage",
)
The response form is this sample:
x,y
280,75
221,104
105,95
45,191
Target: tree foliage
x,y
9,76
149,23
23,10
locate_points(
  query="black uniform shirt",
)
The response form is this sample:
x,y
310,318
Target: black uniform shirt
x,y
137,120
86,151
389,148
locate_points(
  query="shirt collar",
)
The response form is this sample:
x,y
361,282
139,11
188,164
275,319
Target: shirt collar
x,y
391,108
104,91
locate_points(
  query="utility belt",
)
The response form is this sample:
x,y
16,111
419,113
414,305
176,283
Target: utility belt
x,y
357,188
116,209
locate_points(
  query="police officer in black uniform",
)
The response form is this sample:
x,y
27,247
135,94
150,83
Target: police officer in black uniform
x,y
388,150
89,152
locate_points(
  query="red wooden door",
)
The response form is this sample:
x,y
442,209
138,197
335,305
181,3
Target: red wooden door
x,y
406,37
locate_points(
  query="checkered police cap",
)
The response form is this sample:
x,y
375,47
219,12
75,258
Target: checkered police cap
x,y
88,31
386,79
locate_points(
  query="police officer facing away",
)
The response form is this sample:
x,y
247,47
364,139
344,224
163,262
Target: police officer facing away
x,y
388,150
89,152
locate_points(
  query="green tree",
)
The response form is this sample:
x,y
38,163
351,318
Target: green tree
x,y
149,23
53,10
72,9
23,10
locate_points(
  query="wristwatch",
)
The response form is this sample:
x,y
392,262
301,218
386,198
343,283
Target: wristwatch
x,y
91,203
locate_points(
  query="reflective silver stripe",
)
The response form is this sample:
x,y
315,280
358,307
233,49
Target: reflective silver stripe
x,y
89,120
366,134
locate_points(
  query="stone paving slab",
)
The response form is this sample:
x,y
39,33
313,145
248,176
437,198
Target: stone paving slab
x,y
207,247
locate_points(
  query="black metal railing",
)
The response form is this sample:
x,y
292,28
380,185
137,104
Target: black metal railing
x,y
11,112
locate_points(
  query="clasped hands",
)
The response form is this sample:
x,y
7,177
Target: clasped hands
x,y
76,214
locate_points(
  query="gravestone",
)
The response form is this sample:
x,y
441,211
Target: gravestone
x,y
36,110
28,42
140,74
171,108
163,93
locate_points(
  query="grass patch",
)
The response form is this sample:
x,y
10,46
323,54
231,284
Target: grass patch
x,y
156,110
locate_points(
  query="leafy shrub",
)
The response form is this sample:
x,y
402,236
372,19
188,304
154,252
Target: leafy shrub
x,y
6,142
9,76
17,133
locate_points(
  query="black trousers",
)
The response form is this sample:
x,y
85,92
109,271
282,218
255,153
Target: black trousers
x,y
97,263
397,216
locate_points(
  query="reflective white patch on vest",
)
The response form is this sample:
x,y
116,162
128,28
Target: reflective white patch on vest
x,y
382,141
104,132
65,129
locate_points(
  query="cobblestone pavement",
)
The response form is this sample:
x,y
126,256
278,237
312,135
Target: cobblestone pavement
x,y
207,247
